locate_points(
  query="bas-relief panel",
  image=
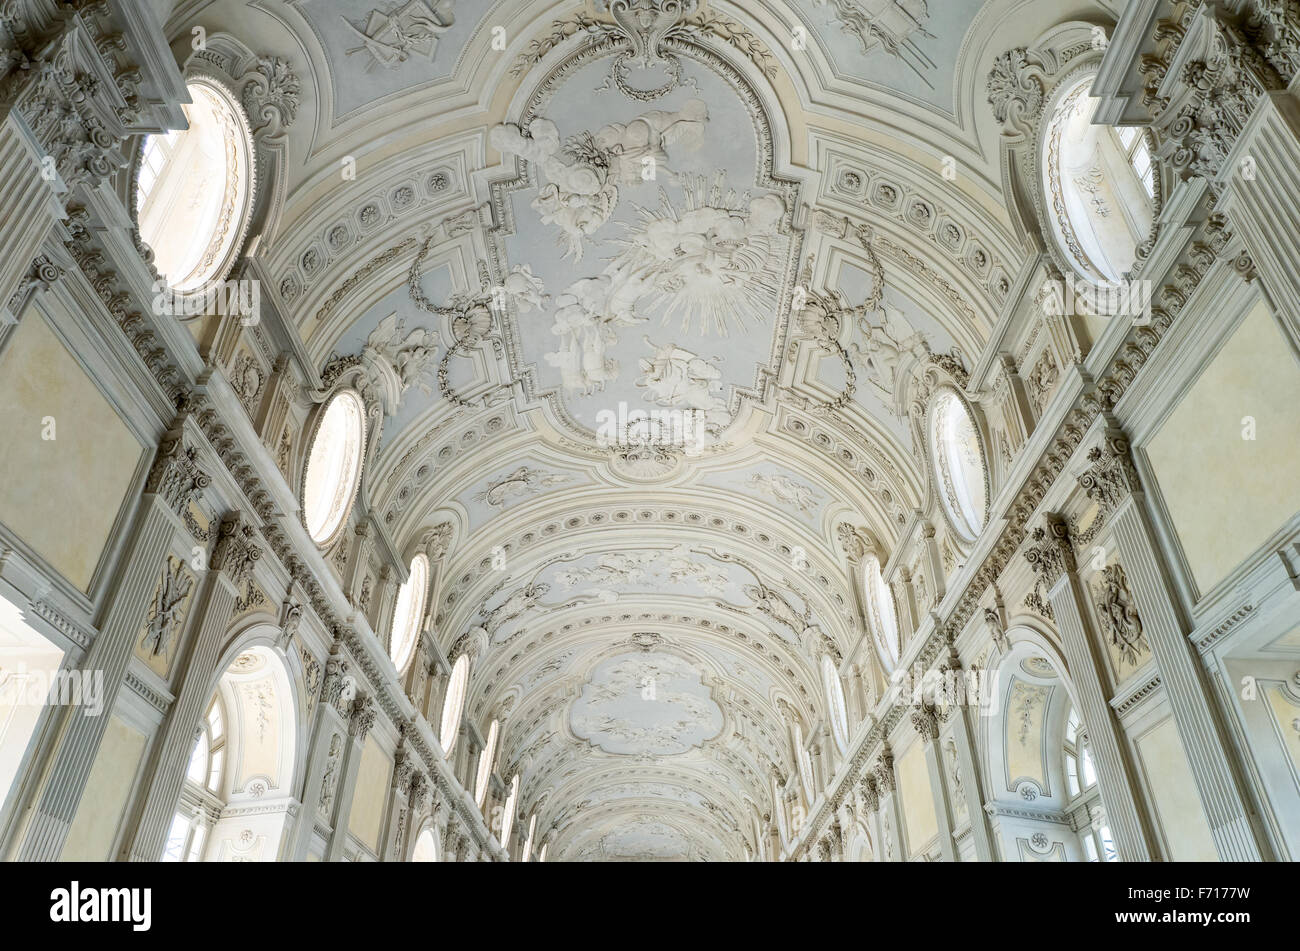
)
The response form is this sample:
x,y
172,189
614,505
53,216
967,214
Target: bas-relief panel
x,y
259,712
422,393
909,47
663,250
1226,494
776,486
514,604
367,814
103,802
519,481
919,817
644,838
645,703
62,494
165,618
1126,648
1178,804
377,49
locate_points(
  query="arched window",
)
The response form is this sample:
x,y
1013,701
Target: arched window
x,y
454,703
485,765
1079,771
1100,186
880,610
334,466
541,856
958,464
409,611
426,847
1081,785
835,703
194,191
508,814
201,791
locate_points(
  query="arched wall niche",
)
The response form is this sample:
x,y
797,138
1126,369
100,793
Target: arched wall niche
x,y
1021,755
265,636
253,741
858,846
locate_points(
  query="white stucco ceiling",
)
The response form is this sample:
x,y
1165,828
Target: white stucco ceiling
x,y
577,569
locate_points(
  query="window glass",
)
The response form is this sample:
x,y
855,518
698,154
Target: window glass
x,y
334,467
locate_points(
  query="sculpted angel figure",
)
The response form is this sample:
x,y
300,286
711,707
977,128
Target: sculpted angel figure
x,y
883,347
586,332
580,176
412,356
678,378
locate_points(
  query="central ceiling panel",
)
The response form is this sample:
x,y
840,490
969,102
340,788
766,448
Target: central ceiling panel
x,y
645,704
642,207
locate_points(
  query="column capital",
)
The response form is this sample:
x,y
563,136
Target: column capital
x,y
237,550
175,476
926,721
1111,476
870,792
884,771
363,717
1050,553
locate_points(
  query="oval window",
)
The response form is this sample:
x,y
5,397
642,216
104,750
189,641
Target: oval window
x,y
880,607
454,704
485,765
959,464
508,813
1101,187
334,467
835,701
194,190
409,611
805,765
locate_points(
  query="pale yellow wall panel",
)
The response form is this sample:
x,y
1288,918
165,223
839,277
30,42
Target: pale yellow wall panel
x,y
368,801
103,802
918,798
1226,494
61,495
1178,805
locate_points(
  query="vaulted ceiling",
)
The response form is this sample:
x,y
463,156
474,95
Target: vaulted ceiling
x,y
546,215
